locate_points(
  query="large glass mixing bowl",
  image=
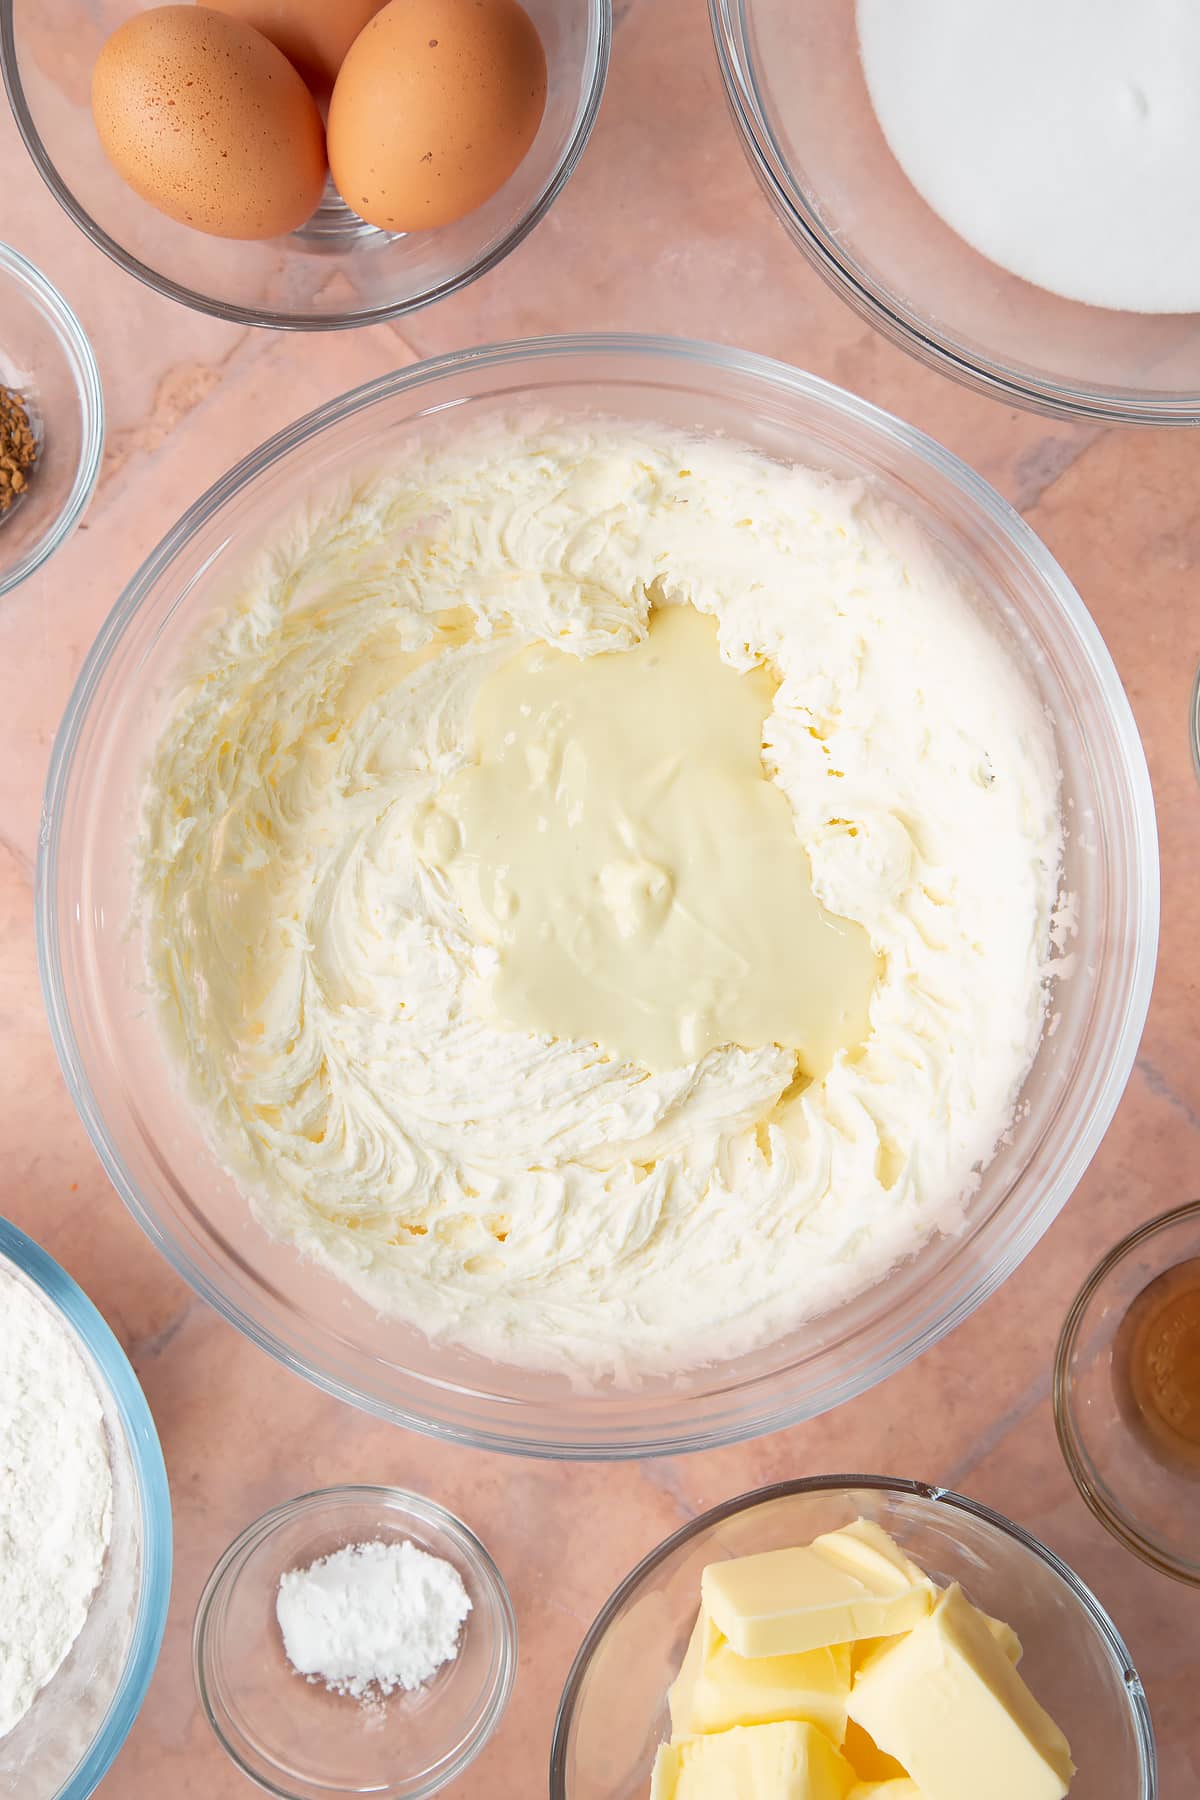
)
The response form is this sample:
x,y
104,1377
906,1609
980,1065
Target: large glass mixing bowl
x,y
799,98
336,270
155,1149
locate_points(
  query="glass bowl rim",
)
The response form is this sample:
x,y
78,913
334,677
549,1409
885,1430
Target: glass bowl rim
x,y
1118,1524
484,1567
81,358
154,1496
838,1484
875,303
976,493
600,19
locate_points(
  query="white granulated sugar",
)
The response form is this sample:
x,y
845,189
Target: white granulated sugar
x,y
55,1496
1058,137
374,1616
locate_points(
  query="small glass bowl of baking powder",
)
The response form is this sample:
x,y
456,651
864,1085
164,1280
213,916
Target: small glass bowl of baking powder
x,y
293,1734
47,364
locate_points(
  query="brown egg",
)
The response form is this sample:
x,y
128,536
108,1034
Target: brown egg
x,y
314,35
436,104
209,122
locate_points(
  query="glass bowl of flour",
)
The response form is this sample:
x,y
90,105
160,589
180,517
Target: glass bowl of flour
x,y
279,1023
1002,189
81,1638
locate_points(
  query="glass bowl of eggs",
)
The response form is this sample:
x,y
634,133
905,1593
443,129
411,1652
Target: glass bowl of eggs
x,y
993,187
292,164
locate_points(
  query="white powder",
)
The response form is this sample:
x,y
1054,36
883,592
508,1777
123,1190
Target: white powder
x,y
1061,138
372,1616
55,1496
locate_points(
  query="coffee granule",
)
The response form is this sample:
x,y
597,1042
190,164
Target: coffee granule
x,y
18,448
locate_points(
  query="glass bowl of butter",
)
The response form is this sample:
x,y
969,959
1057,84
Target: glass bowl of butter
x,y
514,1368
847,1637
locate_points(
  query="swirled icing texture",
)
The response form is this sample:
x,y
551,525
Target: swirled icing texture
x,y
528,1198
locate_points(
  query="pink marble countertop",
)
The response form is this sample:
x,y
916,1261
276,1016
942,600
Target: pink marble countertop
x,y
186,396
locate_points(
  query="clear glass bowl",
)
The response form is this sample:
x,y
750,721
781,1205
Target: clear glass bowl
x,y
67,1740
798,96
45,357
1150,1502
336,271
156,1151
292,1736
613,1712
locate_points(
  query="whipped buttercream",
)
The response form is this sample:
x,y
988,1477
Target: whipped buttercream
x,y
532,1198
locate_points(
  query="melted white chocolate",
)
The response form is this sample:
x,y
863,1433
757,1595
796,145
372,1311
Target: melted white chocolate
x,y
617,840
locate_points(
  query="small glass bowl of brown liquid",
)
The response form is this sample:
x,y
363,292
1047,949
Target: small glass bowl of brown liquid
x,y
1127,1392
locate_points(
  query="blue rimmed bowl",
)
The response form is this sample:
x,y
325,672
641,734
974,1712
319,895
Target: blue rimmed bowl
x,y
67,1740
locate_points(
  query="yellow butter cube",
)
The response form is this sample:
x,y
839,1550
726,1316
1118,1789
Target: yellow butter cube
x,y
898,1788
716,1688
870,1763
1004,1635
948,1704
665,1774
786,1602
783,1761
864,1545
867,1551
679,1694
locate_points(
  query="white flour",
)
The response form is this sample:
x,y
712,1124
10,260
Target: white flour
x,y
372,1616
55,1496
1059,137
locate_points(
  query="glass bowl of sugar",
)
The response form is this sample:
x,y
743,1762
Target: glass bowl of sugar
x,y
999,188
356,1640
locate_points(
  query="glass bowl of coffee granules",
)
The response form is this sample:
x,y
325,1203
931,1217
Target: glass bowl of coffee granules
x,y
51,419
